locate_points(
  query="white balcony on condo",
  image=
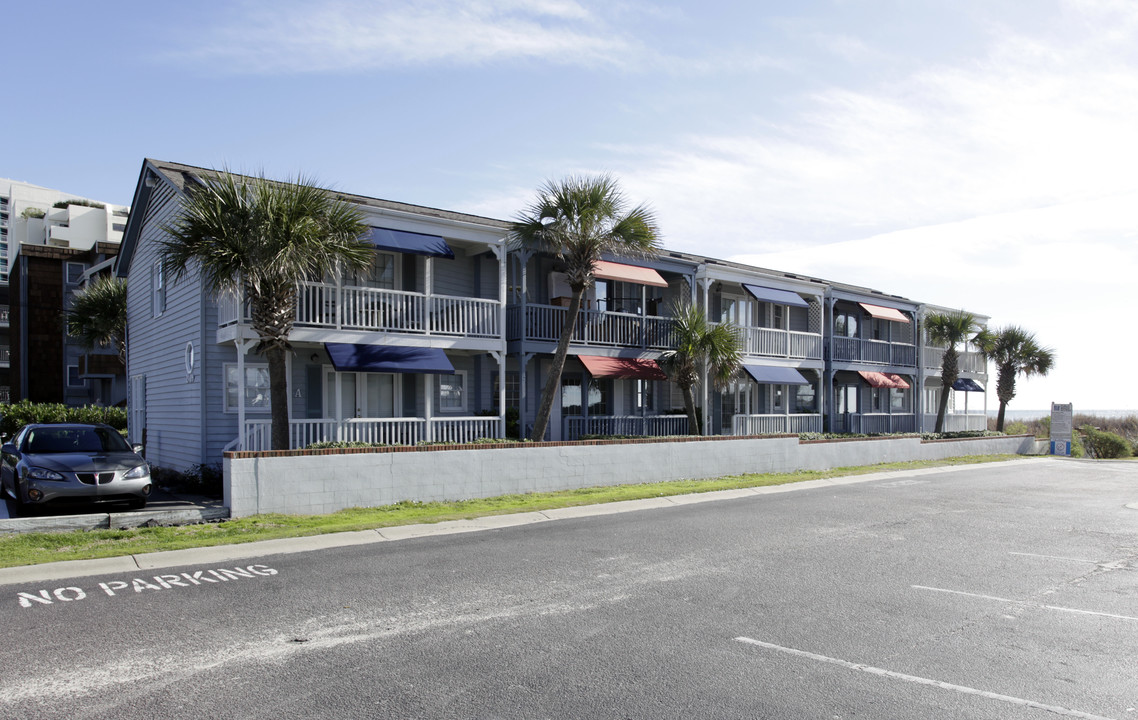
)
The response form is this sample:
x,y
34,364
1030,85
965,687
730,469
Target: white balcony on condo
x,y
544,323
775,343
772,323
968,361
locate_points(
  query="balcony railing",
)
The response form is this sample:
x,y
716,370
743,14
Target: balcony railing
x,y
647,426
957,422
323,305
969,362
874,352
4,317
770,342
875,423
377,431
776,424
594,327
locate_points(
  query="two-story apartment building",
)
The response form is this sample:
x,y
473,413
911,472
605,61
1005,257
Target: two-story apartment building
x,y
449,330
967,403
411,350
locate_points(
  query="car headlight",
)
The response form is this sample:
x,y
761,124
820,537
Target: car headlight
x,y
43,474
139,472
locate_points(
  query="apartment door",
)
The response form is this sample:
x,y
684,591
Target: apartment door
x,y
845,407
361,395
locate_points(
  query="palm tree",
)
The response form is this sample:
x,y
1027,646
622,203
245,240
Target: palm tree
x,y
98,315
949,330
259,237
578,220
699,344
1015,351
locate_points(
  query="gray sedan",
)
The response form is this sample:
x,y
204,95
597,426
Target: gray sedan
x,y
55,464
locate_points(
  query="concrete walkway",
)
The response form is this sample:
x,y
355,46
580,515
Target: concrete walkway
x,y
229,553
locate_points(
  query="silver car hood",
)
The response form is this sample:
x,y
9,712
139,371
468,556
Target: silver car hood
x,y
85,462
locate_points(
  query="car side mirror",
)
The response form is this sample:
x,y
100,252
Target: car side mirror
x,y
137,448
9,449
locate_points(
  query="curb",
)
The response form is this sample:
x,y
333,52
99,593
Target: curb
x,y
284,546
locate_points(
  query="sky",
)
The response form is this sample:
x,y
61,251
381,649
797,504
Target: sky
x,y
975,154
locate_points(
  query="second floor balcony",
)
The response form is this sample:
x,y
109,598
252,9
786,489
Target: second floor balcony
x,y
968,361
544,323
772,342
345,307
874,352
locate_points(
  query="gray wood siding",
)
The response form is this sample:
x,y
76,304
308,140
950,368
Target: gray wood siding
x,y
157,346
454,277
799,319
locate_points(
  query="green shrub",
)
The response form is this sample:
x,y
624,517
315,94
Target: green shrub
x,y
341,444
1103,444
14,416
76,201
32,212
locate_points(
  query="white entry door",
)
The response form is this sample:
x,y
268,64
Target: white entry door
x,y
359,395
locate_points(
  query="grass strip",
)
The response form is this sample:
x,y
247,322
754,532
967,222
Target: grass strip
x,y
36,548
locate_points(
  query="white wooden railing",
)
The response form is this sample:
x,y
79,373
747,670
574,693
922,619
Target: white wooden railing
x,y
376,431
875,423
968,361
324,305
874,352
957,422
594,327
771,342
776,424
647,426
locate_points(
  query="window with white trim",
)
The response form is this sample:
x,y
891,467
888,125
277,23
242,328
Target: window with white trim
x,y
157,288
74,272
452,392
73,379
255,387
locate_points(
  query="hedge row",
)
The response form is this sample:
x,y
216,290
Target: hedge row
x,y
14,416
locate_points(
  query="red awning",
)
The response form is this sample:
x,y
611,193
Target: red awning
x,y
884,313
615,367
604,270
884,380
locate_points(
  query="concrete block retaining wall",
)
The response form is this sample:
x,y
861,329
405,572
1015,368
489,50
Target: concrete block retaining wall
x,y
325,481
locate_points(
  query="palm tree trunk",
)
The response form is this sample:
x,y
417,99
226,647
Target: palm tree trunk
x,y
1000,417
553,382
689,405
278,397
949,371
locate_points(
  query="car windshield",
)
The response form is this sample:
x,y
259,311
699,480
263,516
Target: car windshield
x,y
74,440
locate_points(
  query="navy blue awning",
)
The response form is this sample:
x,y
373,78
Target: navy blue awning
x,y
967,384
348,357
778,297
410,242
769,375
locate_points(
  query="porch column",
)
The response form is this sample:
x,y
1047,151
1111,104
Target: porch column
x,y
428,405
523,391
828,364
288,392
339,296
339,404
501,358
428,291
704,391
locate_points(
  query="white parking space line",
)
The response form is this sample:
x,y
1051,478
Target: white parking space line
x,y
1056,557
1027,603
881,672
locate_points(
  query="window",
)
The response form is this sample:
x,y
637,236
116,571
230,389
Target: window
x,y
74,272
256,387
73,379
137,422
452,392
513,395
776,316
845,324
599,392
158,289
380,274
878,395
845,398
804,399
777,392
899,399
645,395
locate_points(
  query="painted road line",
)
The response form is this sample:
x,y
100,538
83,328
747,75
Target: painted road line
x,y
1056,557
963,689
1027,603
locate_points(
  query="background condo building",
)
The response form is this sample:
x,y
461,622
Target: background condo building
x,y
51,242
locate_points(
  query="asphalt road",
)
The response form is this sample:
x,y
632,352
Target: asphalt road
x,y
997,592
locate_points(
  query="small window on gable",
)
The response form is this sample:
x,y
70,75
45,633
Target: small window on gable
x,y
158,287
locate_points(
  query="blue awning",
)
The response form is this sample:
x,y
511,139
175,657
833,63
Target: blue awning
x,y
967,384
410,242
348,357
769,375
778,297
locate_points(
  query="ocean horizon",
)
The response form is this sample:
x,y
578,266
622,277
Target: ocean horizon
x,y
1036,414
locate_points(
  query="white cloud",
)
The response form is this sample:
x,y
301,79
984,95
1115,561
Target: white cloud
x,y
262,36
